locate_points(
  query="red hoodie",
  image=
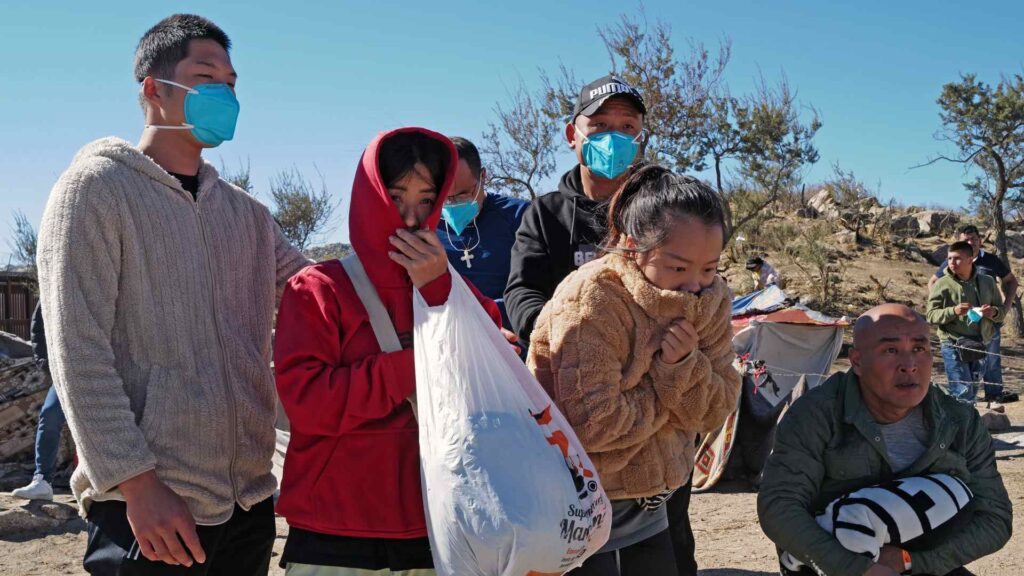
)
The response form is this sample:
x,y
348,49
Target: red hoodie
x,y
353,462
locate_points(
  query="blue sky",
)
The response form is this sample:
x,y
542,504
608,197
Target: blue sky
x,y
319,79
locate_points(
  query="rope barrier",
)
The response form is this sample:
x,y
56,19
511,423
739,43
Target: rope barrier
x,y
1015,387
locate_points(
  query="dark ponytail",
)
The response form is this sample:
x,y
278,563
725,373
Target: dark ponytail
x,y
650,202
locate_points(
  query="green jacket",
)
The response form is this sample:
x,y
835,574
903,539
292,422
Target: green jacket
x,y
949,291
829,445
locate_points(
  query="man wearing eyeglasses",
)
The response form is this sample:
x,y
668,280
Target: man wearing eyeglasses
x,y
479,228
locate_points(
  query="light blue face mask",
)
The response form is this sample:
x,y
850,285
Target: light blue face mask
x,y
211,112
458,215
974,315
608,154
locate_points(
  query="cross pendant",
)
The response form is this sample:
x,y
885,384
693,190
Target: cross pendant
x,y
466,257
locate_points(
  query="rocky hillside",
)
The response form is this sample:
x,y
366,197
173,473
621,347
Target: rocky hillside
x,y
844,256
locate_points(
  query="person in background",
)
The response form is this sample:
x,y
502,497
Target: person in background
x,y
763,273
966,307
51,423
479,227
990,264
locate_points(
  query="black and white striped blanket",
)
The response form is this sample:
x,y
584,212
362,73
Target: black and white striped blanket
x,y
900,512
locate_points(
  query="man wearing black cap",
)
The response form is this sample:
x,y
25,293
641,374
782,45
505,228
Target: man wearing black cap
x,y
563,230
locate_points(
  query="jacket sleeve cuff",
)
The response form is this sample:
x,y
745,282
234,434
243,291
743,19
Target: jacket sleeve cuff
x,y
435,292
402,381
668,378
105,480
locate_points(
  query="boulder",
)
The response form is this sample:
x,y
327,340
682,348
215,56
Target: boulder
x,y
846,238
937,222
906,226
19,521
825,203
807,212
995,421
59,511
867,204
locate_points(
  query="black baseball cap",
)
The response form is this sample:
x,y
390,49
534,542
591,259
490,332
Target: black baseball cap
x,y
593,95
754,262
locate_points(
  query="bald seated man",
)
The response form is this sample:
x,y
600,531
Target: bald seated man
x,y
881,420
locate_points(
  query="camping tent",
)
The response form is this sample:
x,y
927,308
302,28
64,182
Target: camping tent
x,y
778,346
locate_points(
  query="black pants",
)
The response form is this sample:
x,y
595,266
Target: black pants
x,y
679,529
241,546
649,557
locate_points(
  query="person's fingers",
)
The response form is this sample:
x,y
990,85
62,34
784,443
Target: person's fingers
x,y
430,238
403,260
414,242
174,548
147,549
685,338
160,550
187,531
689,329
404,247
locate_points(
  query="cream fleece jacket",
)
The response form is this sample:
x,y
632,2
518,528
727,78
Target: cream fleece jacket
x,y
596,351
159,311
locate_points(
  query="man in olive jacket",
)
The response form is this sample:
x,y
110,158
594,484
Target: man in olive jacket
x,y
950,302
881,420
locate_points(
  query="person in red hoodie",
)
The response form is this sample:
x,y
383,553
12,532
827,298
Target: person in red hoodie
x,y
351,487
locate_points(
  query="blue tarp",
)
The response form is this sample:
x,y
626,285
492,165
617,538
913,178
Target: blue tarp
x,y
770,299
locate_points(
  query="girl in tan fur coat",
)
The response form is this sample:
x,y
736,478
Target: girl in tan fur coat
x,y
635,348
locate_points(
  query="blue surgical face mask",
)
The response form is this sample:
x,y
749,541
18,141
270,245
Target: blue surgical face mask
x,y
211,112
608,154
458,215
974,315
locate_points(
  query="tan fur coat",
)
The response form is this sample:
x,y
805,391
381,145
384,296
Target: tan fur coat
x,y
596,351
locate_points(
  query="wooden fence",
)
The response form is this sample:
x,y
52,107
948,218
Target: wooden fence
x,y
17,301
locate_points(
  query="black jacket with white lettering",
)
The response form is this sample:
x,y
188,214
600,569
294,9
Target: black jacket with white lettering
x,y
560,232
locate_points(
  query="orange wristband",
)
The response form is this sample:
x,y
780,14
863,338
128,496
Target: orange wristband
x,y
906,562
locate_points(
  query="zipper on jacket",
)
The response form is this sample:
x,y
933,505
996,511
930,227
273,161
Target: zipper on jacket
x,y
232,417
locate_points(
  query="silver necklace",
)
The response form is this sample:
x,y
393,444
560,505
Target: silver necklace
x,y
467,257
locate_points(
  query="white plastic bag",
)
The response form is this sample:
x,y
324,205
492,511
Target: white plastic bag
x,y
507,486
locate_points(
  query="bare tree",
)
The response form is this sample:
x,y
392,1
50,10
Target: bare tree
x,y
300,208
675,90
240,176
519,151
24,241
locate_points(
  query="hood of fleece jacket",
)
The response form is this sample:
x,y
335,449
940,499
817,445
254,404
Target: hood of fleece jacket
x,y
124,152
373,217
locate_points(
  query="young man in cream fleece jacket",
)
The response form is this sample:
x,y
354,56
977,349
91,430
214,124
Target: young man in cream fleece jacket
x,y
159,282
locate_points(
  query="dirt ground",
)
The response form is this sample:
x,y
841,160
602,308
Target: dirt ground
x,y
729,541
